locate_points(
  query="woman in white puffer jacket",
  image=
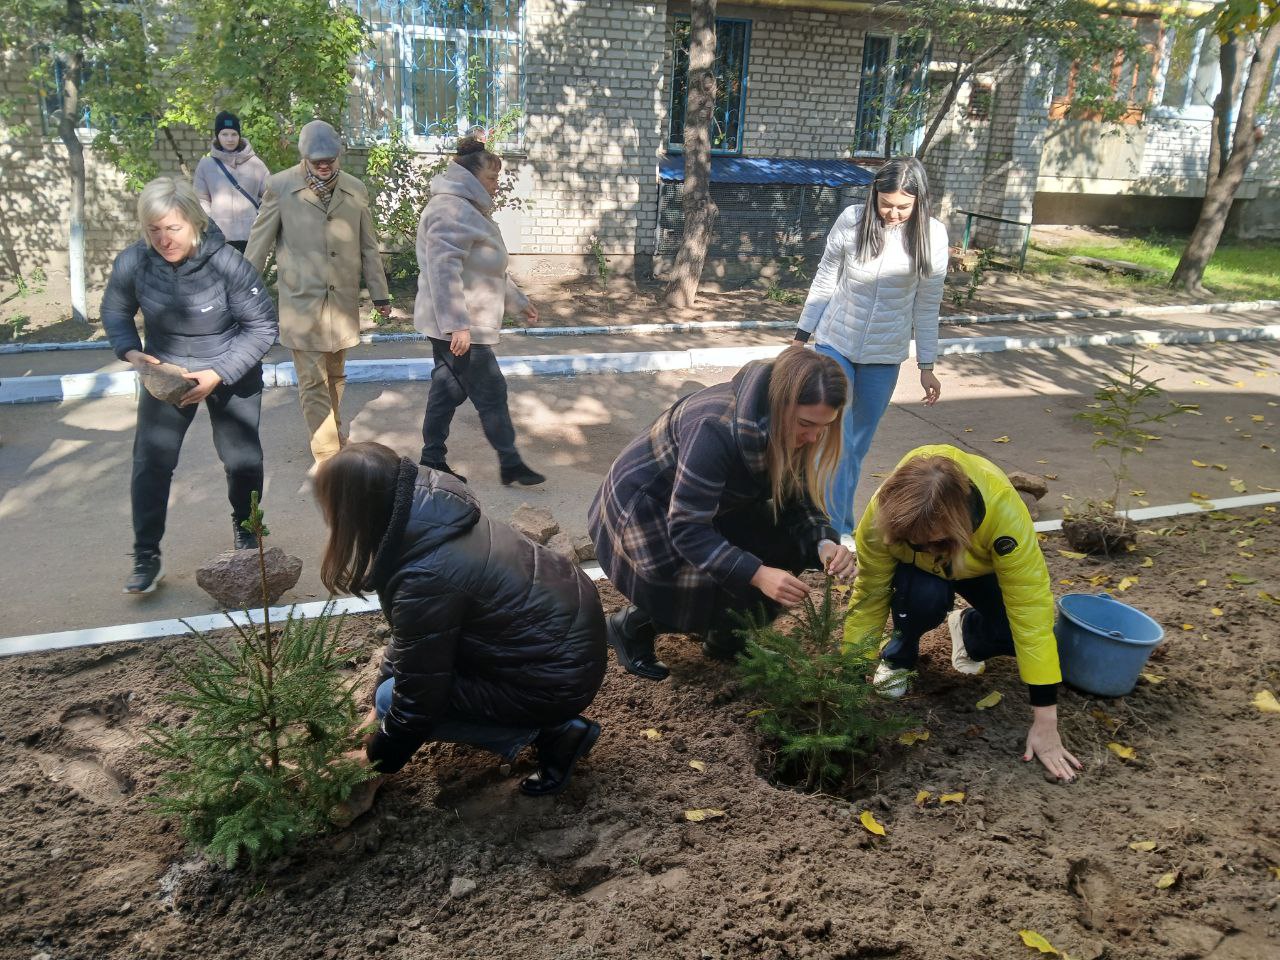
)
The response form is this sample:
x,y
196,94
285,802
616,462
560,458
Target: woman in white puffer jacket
x,y
879,285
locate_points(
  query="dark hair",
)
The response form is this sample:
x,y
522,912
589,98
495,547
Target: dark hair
x,y
900,175
802,378
472,154
356,491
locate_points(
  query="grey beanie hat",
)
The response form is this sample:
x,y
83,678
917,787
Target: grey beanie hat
x,y
318,140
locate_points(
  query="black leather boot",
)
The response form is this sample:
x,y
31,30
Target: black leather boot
x,y
720,643
244,539
522,474
631,634
559,750
443,467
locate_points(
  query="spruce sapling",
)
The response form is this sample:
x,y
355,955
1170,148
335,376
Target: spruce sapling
x,y
259,760
816,694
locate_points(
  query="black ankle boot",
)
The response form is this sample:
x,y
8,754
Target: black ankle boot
x,y
244,539
631,635
559,750
720,644
443,467
521,474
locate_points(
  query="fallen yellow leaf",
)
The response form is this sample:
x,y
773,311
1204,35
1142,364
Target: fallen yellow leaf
x,y
1216,611
1188,626
1121,751
756,713
1036,942
1274,871
870,822
1143,846
957,797
1257,418
652,734
1067,496
1125,583
1197,495
698,765
704,813
1168,880
1099,580
1238,485
1220,466
1201,383
989,701
1067,583
1152,678
1072,555
1197,463
1000,440
912,737
1202,583
1147,562
923,797
1263,595
1137,493
1266,701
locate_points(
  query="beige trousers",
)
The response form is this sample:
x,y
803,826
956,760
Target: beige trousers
x,y
321,380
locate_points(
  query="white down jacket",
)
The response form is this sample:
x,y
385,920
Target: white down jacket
x,y
868,311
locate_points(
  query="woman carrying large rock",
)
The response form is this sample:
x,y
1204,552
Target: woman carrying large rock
x,y
495,641
711,512
205,310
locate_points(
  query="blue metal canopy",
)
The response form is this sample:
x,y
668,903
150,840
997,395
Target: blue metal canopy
x,y
775,170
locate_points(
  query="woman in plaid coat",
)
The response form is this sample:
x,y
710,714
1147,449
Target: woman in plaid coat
x,y
712,511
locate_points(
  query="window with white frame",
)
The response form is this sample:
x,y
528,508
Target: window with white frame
x,y
439,68
1189,77
891,95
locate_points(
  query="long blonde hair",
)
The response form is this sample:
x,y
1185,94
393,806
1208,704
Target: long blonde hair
x,y
802,377
925,504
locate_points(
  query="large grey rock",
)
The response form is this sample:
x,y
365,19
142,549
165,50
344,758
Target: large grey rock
x,y
561,544
165,381
1033,505
235,582
1029,483
536,523
584,548
460,887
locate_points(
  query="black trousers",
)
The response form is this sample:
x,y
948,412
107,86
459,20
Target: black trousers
x,y
476,376
238,244
921,601
234,412
780,541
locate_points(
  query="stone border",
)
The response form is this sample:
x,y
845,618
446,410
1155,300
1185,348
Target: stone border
x,y
68,639
638,329
89,386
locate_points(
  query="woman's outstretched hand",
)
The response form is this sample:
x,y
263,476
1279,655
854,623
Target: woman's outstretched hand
x,y
932,387
1044,743
837,560
780,586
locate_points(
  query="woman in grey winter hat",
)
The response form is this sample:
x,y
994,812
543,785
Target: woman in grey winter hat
x,y
230,181
317,220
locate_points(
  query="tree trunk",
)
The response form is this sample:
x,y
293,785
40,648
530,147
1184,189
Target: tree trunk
x,y
1219,195
943,109
699,209
71,68
1220,128
177,152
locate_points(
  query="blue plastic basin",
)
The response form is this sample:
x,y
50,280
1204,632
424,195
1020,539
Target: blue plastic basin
x,y
1103,644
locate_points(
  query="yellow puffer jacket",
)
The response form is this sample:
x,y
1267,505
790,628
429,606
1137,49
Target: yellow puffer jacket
x,y
1004,543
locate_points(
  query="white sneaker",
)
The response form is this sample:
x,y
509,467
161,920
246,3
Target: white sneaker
x,y
891,683
960,658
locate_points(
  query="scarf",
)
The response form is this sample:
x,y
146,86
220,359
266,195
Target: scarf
x,y
323,189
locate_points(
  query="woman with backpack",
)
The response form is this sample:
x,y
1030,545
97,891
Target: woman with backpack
x,y
230,181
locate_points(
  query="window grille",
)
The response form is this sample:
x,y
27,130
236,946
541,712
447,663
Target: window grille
x,y
730,69
438,68
891,100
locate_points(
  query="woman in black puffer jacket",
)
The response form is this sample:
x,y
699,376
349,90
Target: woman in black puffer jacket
x,y
205,309
495,641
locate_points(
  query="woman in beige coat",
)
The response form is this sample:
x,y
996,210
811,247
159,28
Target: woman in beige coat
x,y
464,291
317,219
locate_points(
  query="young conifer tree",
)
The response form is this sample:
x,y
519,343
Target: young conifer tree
x,y
258,764
815,693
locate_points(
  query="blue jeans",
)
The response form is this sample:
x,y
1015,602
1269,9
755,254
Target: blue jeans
x,y
870,389
505,741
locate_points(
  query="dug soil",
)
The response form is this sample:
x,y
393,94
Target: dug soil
x,y
453,862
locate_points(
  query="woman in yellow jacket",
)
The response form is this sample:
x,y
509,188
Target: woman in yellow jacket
x,y
947,522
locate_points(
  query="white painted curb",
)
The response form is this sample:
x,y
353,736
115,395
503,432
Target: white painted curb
x,y
67,639
84,386
693,326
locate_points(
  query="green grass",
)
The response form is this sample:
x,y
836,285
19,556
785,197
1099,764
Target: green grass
x,y
1238,271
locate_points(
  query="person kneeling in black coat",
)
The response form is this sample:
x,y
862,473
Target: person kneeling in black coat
x,y
495,641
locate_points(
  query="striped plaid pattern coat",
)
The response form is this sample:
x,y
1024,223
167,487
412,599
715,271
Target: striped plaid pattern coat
x,y
654,519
